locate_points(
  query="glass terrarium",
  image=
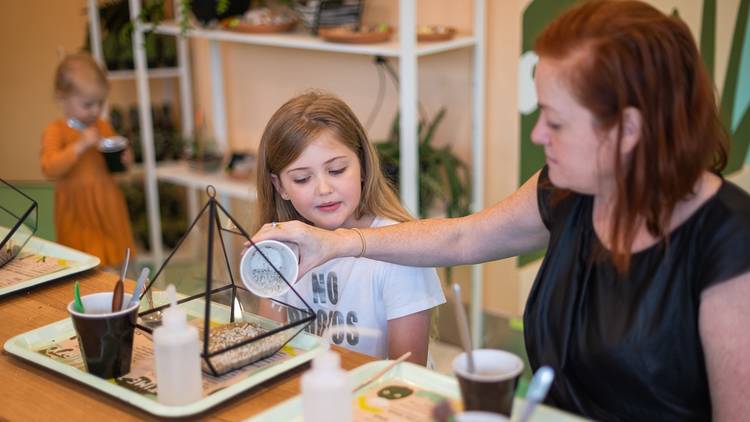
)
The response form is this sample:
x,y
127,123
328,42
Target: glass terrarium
x,y
236,326
18,221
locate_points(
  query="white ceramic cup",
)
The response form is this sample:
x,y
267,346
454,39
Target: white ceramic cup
x,y
257,273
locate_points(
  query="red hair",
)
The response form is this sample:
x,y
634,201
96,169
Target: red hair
x,y
628,54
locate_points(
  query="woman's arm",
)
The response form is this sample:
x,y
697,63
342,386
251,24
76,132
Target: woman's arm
x,y
410,333
508,228
723,324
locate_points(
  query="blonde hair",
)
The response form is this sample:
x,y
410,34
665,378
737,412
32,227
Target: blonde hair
x,y
291,129
76,70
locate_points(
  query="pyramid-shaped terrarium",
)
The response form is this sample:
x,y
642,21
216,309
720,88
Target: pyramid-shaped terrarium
x,y
237,327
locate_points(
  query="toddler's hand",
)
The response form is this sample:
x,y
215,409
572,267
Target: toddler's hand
x,y
89,137
127,157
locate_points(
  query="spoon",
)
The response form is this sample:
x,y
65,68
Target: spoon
x,y
74,123
117,295
463,326
139,286
537,391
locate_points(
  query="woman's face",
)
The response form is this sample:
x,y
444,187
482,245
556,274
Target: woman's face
x,y
578,157
324,183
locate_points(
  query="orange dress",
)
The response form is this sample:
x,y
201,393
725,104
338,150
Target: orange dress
x,y
90,211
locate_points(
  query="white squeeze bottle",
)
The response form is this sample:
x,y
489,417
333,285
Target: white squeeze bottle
x,y
326,392
177,355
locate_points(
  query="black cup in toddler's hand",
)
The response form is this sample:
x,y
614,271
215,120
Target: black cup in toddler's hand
x,y
492,385
105,337
112,149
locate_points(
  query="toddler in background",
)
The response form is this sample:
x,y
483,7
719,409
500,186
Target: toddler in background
x,y
90,210
315,164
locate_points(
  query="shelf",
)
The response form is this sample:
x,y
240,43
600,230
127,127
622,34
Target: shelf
x,y
305,41
180,173
155,73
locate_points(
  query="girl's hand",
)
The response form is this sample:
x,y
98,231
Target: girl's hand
x,y
316,246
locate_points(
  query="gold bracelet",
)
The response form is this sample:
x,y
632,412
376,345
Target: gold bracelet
x,y
364,243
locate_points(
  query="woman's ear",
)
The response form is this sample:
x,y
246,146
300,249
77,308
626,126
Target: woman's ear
x,y
279,188
631,131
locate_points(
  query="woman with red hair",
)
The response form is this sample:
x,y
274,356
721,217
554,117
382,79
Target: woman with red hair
x,y
641,302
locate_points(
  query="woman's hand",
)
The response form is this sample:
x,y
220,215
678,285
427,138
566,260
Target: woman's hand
x,y
316,246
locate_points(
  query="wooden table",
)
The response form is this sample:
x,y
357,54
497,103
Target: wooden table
x,y
30,392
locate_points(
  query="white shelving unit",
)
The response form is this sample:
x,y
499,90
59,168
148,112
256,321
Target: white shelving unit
x,y
406,49
95,38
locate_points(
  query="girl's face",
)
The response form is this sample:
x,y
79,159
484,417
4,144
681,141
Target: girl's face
x,y
324,183
578,157
85,104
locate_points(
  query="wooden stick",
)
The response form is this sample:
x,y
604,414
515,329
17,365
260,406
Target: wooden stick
x,y
382,371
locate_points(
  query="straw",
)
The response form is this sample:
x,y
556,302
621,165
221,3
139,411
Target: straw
x,y
382,371
463,326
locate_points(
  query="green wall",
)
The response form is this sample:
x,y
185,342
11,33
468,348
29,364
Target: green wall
x,y
43,193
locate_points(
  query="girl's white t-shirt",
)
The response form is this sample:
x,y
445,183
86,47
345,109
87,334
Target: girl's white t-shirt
x,y
363,293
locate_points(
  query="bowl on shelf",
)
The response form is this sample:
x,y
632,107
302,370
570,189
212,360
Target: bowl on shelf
x,y
260,28
435,33
242,165
260,21
363,35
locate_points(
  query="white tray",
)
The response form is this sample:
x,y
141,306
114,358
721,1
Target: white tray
x,y
79,261
26,345
291,410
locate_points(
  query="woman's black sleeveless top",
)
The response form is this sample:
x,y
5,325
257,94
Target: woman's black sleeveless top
x,y
627,347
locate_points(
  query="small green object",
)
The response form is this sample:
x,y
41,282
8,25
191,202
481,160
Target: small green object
x,y
77,304
516,324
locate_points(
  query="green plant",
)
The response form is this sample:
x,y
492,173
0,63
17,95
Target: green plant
x,y
442,175
174,220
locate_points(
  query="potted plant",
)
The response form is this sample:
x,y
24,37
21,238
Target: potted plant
x,y
202,152
443,177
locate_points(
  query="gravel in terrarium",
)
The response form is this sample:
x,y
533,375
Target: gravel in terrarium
x,y
233,333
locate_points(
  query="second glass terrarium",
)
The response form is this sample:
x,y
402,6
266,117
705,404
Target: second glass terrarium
x,y
18,221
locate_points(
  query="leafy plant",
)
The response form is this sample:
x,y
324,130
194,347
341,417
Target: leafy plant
x,y
117,31
442,175
174,220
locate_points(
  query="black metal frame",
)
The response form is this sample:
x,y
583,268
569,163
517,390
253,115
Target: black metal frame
x,y
214,207
34,207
